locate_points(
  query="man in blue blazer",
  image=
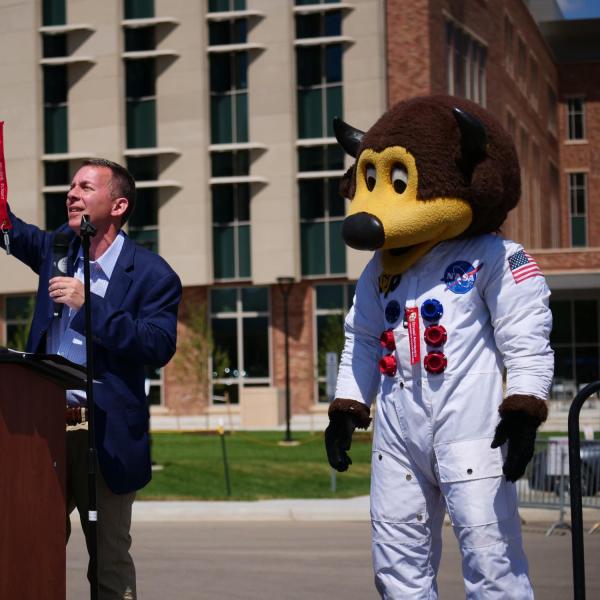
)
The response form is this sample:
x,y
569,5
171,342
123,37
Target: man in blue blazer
x,y
135,298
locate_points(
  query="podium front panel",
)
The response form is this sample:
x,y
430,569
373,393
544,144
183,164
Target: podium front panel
x,y
32,485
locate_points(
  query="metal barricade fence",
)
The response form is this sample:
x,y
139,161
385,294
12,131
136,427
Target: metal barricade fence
x,y
546,481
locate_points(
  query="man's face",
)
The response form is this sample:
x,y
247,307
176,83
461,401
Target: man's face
x,y
91,193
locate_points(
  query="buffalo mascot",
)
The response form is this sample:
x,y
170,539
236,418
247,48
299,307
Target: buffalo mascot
x,y
450,331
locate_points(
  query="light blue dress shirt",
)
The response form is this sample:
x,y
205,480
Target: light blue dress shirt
x,y
61,338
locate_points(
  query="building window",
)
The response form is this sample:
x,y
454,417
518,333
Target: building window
x,y
576,342
537,218
54,12
319,158
19,312
229,164
509,35
511,125
552,109
319,73
304,2
228,97
332,302
533,81
139,39
226,5
465,65
143,222
521,62
576,118
523,151
233,31
54,46
322,212
142,225
55,212
228,78
231,216
231,231
240,331
555,203
140,91
55,109
138,9
578,205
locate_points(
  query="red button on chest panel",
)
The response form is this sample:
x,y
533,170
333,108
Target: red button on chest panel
x,y
387,340
388,365
435,362
435,335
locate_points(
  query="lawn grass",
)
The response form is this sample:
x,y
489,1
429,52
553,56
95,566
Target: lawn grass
x,y
259,467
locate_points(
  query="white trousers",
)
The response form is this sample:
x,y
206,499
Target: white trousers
x,y
412,486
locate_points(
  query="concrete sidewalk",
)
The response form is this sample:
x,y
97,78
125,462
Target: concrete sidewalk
x,y
348,509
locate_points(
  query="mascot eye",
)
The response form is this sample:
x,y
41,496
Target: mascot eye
x,y
370,177
399,178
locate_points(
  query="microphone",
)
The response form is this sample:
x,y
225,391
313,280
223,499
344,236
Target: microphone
x,y
60,251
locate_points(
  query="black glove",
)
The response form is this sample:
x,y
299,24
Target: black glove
x,y
518,429
344,417
338,439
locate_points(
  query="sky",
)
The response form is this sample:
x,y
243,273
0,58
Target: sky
x,y
580,9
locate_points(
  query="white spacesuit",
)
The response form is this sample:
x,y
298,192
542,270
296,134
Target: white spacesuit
x,y
486,308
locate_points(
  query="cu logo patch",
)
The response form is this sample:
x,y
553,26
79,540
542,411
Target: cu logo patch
x,y
460,276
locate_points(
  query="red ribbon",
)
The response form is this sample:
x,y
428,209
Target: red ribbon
x,y
4,220
414,340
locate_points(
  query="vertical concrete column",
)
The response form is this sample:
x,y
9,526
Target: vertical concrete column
x,y
21,77
96,102
365,89
272,118
183,122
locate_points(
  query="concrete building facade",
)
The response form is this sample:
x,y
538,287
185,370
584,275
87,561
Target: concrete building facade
x,y
222,110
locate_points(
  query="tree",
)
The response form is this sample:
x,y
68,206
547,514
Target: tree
x,y
330,338
196,352
19,332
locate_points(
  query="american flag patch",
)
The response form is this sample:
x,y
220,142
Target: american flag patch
x,y
523,266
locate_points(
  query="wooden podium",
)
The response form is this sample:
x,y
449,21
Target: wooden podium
x,y
32,473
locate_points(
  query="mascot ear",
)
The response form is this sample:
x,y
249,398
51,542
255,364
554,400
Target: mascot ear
x,y
473,140
347,136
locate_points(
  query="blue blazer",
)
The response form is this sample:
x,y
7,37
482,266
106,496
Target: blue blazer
x,y
134,325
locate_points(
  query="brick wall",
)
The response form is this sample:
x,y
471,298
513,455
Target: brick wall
x,y
559,261
179,396
582,80
416,40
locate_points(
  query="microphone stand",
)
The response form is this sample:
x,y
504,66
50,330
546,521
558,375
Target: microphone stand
x,y
87,231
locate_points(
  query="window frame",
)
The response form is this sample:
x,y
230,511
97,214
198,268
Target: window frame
x,y
574,344
574,209
347,299
466,63
327,220
19,321
575,116
239,314
236,224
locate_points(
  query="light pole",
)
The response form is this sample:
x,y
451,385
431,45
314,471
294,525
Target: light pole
x,y
285,287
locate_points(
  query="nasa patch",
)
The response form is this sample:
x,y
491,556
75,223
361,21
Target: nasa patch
x,y
392,311
460,276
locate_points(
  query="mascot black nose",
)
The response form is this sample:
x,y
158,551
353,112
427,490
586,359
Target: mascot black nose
x,y
363,231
